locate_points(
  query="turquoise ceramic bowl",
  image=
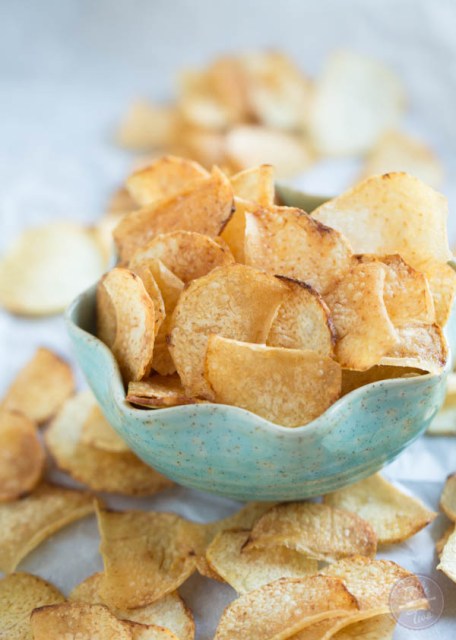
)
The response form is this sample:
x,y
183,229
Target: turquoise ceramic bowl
x,y
234,453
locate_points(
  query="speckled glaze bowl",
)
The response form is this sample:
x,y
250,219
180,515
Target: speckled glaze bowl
x,y
234,453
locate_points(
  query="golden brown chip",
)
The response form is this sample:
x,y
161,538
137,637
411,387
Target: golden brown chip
x,y
442,283
364,330
21,456
441,542
205,208
133,343
146,555
203,145
393,213
354,379
111,471
302,321
41,387
198,105
20,594
226,83
25,523
234,232
448,497
97,432
153,291
236,302
448,557
374,624
147,125
316,530
422,347
256,185
393,515
288,242
187,254
286,605
158,391
290,387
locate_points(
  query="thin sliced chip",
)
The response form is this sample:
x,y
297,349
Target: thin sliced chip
x,y
133,344
147,126
302,321
47,267
288,242
158,391
41,387
24,524
205,208
226,82
393,213
364,330
448,557
146,555
281,606
375,624
20,594
153,291
255,184
355,100
21,456
393,515
111,471
198,105
352,380
316,530
442,283
236,302
448,497
203,145
97,432
187,254
290,387
441,542
422,347
234,232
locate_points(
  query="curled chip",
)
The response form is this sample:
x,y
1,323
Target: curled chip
x,y
158,391
284,607
256,185
21,456
393,515
316,530
20,594
41,387
47,267
148,125
448,497
288,386
187,254
234,232
102,470
442,283
25,523
248,570
165,178
153,291
288,242
97,432
393,213
133,343
302,321
448,557
205,208
422,347
236,302
146,555
364,330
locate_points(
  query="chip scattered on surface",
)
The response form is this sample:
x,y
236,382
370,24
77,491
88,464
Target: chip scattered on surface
x,y
158,391
448,497
97,432
441,542
448,557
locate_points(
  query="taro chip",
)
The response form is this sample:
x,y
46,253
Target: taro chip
x,y
393,515
187,254
290,387
318,531
448,498
442,283
375,624
448,557
205,208
97,432
102,470
289,242
146,556
281,608
25,523
422,347
133,343
41,387
236,301
21,456
165,178
158,392
354,379
147,126
256,185
20,594
153,291
234,232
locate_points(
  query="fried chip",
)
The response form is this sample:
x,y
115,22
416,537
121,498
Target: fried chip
x,y
448,497
97,432
133,344
288,242
20,594
158,391
147,125
364,330
25,523
391,214
422,347
393,515
225,79
47,267
153,291
205,208
352,380
21,456
441,542
318,531
234,232
198,104
204,146
448,557
290,387
111,471
146,555
283,606
442,283
41,387
256,185
302,321
187,254
234,301
375,624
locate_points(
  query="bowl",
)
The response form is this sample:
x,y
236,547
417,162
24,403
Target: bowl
x,y
232,452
